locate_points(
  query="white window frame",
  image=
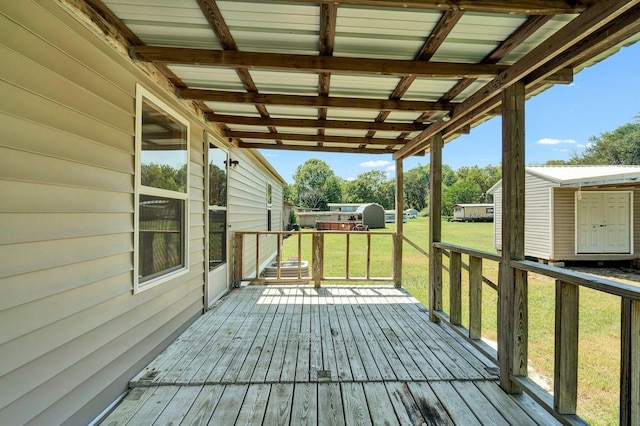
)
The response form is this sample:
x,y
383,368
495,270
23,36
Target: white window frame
x,y
142,93
209,142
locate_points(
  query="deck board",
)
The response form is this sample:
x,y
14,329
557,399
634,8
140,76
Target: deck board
x,y
335,355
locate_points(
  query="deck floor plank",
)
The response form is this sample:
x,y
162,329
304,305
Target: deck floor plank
x,y
229,406
333,356
278,410
179,405
404,405
330,408
356,411
254,405
381,410
305,404
430,406
304,358
204,405
274,371
290,360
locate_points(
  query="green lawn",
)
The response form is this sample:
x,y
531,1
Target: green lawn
x,y
599,346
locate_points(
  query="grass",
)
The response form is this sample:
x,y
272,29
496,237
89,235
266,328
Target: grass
x,y
599,339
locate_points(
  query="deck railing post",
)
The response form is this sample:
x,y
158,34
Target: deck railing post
x,y
455,287
397,238
630,363
318,258
435,226
512,288
475,297
565,383
238,253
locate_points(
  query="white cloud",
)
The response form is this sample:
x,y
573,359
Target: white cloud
x,y
549,141
377,163
391,168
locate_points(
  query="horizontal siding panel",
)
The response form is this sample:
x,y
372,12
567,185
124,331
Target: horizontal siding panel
x,y
30,287
117,372
69,37
66,342
39,197
77,359
78,299
32,77
29,257
21,165
31,106
31,227
25,135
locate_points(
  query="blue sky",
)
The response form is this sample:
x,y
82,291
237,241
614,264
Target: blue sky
x,y
559,122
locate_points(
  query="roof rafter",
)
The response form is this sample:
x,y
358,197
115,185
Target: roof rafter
x,y
348,140
317,124
592,20
524,7
312,63
313,101
316,148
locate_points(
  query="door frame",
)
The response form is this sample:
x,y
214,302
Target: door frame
x,y
221,270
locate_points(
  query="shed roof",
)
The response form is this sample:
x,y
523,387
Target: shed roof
x,y
362,76
587,175
573,176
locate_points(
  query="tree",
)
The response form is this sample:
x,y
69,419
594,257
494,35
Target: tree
x,y
620,146
463,191
371,187
316,185
416,187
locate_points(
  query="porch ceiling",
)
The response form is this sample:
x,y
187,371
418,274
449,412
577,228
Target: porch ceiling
x,y
363,76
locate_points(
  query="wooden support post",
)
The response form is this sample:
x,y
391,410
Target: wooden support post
x,y
318,258
238,253
278,255
475,297
346,257
435,226
368,274
512,289
397,238
257,256
565,381
455,288
630,363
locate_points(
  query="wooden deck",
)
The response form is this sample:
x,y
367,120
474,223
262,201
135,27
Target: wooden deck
x,y
337,355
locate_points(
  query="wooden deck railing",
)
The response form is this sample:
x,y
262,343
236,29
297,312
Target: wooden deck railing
x,y
563,403
312,242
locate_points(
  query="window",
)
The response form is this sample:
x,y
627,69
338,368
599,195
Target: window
x,y
162,176
217,207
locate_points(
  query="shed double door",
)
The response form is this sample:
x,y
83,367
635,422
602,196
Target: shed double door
x,y
603,222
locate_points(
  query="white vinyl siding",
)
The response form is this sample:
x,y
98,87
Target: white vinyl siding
x,y
71,332
537,226
247,207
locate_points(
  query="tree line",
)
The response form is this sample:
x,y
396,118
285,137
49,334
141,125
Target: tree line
x,y
316,185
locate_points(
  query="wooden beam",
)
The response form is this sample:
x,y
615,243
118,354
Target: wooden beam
x,y
315,148
565,382
398,235
435,227
313,101
581,27
512,295
630,362
317,124
348,140
521,7
328,18
312,63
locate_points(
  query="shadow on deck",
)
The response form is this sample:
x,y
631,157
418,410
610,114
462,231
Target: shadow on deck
x,y
335,355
